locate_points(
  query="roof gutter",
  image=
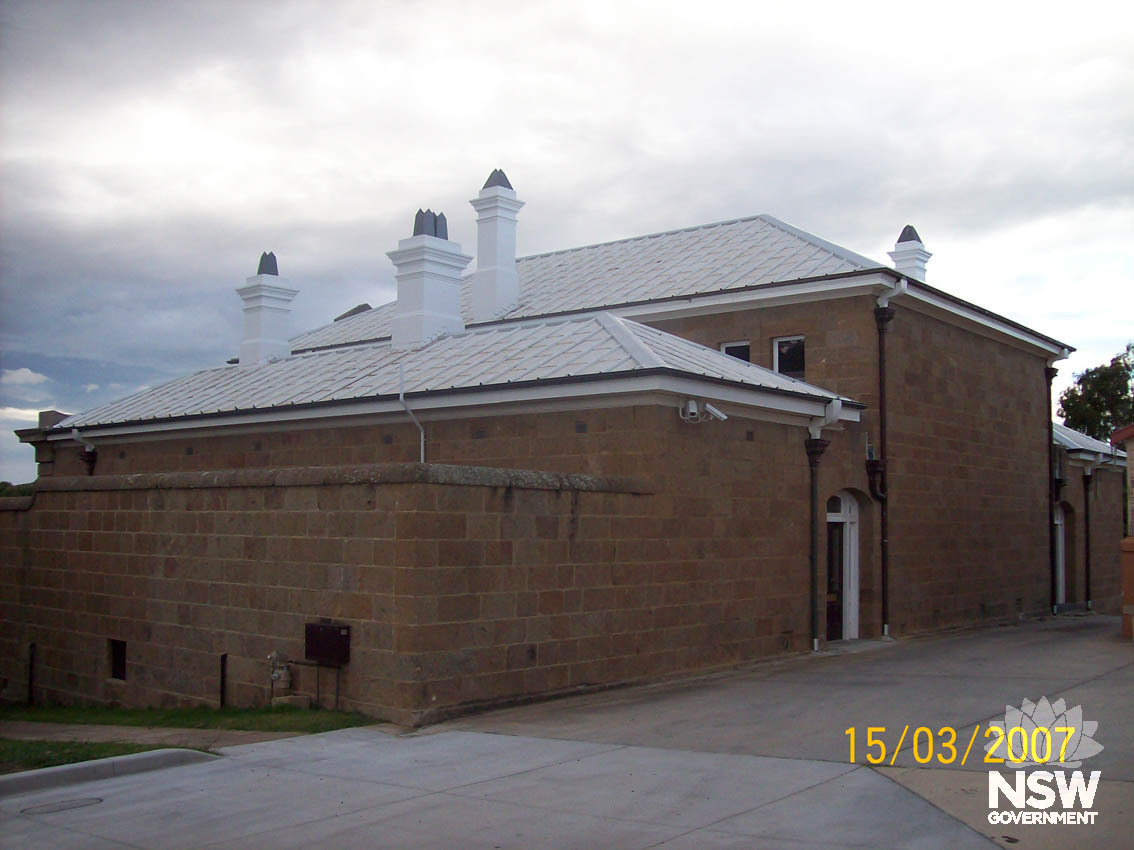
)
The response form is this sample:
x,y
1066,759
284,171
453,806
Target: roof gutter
x,y
959,306
624,305
666,380
915,289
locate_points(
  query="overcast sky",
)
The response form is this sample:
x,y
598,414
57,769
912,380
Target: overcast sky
x,y
151,151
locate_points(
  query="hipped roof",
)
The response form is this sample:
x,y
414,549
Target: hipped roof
x,y
500,356
694,261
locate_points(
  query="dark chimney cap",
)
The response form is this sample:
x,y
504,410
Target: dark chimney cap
x,y
497,178
428,223
268,264
908,235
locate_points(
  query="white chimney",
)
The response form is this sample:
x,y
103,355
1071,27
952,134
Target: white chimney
x,y
909,255
267,311
429,270
495,287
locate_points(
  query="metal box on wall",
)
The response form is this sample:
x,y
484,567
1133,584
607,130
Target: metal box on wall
x,y
327,644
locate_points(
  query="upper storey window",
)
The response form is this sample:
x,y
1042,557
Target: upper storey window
x,y
787,356
740,350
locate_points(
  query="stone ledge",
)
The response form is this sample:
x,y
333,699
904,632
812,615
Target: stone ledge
x,y
373,473
16,503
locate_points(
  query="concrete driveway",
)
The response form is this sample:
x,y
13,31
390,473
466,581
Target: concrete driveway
x,y
754,758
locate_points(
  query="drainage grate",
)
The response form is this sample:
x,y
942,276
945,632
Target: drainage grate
x,y
60,806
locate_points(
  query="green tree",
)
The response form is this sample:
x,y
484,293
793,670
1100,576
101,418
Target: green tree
x,y
1101,399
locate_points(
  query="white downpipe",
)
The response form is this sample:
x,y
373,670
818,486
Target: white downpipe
x,y
832,412
83,441
402,399
898,288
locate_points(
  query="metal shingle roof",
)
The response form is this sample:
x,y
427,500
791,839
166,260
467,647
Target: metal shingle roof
x,y
497,355
1074,440
696,260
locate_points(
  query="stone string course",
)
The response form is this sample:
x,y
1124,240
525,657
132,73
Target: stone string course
x,y
378,473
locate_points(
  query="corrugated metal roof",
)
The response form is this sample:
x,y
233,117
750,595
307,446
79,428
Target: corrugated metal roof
x,y
693,261
498,355
1074,440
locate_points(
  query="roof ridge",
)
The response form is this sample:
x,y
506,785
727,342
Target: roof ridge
x,y
838,250
646,357
626,239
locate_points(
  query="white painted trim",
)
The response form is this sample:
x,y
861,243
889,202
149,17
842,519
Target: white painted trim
x,y
745,342
776,350
880,284
849,516
948,310
748,299
752,403
1097,460
775,293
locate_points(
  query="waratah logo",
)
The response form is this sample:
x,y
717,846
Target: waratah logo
x,y
1044,733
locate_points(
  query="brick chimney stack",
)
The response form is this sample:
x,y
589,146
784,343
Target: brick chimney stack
x,y
495,287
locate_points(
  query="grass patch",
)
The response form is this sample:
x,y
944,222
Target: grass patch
x,y
30,755
284,718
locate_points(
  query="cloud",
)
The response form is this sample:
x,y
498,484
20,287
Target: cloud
x,y
23,377
90,388
150,152
18,414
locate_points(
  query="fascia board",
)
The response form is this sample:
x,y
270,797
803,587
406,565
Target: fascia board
x,y
1087,457
841,285
770,295
918,296
932,304
619,391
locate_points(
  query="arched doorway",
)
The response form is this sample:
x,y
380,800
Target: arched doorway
x,y
842,567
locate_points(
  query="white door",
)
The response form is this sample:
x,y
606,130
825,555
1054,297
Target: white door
x,y
842,567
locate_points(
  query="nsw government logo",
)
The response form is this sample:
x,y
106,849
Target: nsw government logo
x,y
1042,746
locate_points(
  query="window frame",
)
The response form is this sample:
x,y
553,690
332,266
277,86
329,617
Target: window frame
x,y
735,342
776,353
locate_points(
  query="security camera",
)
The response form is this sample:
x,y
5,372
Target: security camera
x,y
716,414
691,411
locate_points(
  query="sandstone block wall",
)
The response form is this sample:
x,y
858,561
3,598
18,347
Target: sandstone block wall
x,y
460,590
841,349
968,476
968,455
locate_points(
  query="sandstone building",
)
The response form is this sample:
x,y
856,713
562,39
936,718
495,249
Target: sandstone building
x,y
607,464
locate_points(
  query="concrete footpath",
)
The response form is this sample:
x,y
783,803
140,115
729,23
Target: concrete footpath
x,y
754,758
